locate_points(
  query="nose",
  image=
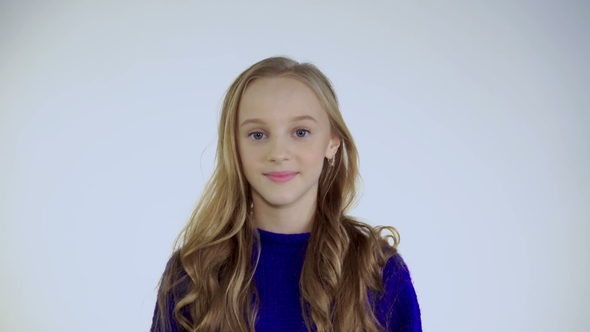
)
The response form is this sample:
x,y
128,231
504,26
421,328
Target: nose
x,y
278,149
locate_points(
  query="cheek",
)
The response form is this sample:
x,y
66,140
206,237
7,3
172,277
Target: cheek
x,y
313,157
250,160
247,163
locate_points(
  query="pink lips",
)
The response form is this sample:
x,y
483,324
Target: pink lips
x,y
281,177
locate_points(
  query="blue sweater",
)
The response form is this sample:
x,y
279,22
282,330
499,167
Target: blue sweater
x,y
277,281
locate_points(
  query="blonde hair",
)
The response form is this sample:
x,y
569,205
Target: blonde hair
x,y
210,275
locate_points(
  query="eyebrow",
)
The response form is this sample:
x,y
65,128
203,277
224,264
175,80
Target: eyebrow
x,y
260,121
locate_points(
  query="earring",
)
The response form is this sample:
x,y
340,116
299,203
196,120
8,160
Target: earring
x,y
331,161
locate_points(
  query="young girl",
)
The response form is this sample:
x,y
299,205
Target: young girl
x,y
269,246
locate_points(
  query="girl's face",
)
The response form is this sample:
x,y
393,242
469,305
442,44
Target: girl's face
x,y
283,128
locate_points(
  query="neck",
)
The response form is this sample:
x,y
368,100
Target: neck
x,y
295,218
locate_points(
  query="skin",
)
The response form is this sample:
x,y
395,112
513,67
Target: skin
x,y
276,143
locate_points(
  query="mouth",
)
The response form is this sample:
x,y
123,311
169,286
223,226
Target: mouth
x,y
281,177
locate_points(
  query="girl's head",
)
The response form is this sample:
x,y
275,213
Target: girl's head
x,y
283,116
282,127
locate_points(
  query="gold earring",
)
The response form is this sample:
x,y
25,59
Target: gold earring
x,y
331,161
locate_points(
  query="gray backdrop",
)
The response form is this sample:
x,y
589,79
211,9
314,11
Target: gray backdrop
x,y
471,120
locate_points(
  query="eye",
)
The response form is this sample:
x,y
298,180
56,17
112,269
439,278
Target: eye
x,y
257,135
299,131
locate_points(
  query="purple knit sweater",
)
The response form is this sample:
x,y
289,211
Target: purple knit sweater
x,y
277,281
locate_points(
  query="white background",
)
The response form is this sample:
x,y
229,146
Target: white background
x,y
472,122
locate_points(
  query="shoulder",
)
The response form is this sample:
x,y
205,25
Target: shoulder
x,y
398,307
174,283
396,272
173,265
172,288
174,278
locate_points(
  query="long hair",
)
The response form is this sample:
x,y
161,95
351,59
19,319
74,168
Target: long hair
x,y
210,275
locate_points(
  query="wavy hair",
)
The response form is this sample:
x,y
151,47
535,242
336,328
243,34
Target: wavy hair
x,y
210,274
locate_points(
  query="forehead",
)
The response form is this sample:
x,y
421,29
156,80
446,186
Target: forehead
x,y
279,98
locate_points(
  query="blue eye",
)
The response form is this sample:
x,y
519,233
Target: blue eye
x,y
256,133
302,130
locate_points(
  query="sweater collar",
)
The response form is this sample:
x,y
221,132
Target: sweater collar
x,y
279,238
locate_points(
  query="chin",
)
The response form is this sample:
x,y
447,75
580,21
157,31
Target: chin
x,y
278,199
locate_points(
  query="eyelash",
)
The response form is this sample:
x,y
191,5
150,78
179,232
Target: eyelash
x,y
296,130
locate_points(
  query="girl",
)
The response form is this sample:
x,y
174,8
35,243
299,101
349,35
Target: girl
x,y
269,246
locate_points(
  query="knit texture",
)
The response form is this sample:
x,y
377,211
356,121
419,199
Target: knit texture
x,y
277,280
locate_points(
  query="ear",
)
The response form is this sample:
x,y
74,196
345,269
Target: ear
x,y
333,146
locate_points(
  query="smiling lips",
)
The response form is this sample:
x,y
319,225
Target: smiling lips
x,y
281,177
